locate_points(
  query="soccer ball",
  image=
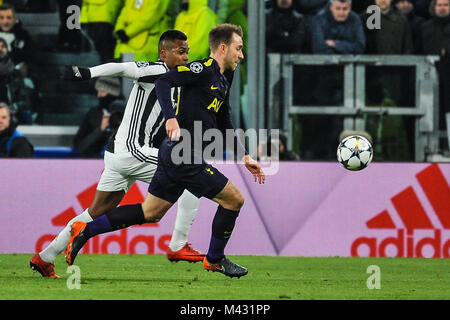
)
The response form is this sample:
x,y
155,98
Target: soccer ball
x,y
354,153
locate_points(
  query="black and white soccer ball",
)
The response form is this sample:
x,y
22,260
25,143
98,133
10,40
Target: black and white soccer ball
x,y
355,153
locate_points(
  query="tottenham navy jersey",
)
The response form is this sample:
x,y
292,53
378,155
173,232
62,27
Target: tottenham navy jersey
x,y
204,96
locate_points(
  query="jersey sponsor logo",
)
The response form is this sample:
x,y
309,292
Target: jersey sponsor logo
x,y
215,105
214,88
142,64
196,67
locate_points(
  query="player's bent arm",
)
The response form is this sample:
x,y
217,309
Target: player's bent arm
x,y
177,77
162,87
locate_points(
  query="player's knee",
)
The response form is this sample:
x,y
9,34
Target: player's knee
x,y
153,213
151,217
231,198
238,201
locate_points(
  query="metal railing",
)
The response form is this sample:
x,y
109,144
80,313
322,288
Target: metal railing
x,y
425,109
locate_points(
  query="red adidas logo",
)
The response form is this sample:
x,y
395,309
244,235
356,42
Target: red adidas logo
x,y
99,244
414,217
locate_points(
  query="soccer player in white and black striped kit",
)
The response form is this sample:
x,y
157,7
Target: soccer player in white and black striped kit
x,y
132,152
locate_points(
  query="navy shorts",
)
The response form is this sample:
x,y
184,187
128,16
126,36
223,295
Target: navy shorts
x,y
202,180
170,180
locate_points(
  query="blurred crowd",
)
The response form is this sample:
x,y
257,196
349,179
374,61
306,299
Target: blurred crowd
x,y
345,27
402,27
115,27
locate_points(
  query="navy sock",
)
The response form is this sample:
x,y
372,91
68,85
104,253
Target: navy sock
x,y
118,218
98,226
222,227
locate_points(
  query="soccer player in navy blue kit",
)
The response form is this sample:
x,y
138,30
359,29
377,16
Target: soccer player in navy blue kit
x,y
204,99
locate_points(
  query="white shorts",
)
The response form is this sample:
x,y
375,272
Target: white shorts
x,y
123,169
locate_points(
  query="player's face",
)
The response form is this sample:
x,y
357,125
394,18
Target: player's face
x,y
234,53
176,54
7,20
442,8
4,119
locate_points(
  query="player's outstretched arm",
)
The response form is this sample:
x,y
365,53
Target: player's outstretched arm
x,y
255,169
132,70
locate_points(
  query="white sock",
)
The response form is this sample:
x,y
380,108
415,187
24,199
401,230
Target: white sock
x,y
60,242
187,209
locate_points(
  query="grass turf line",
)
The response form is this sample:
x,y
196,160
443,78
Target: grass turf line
x,y
270,278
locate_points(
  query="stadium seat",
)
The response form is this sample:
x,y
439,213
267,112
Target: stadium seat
x,y
55,152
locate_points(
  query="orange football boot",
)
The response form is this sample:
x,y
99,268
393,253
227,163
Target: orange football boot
x,y
46,269
187,253
76,241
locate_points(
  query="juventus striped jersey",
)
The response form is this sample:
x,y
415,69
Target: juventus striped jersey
x,y
143,123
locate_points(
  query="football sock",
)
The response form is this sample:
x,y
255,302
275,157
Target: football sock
x,y
60,242
222,227
118,218
187,209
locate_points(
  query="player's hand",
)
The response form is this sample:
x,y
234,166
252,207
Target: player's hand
x,y
75,73
173,129
255,169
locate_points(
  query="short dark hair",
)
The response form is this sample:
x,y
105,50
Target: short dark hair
x,y
171,35
223,33
7,6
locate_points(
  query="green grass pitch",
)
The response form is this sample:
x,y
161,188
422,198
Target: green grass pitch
x,y
270,278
